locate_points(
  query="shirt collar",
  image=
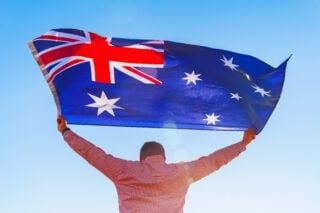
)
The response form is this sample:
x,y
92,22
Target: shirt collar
x,y
154,158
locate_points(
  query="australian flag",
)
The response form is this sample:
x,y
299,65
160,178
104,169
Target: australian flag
x,y
110,81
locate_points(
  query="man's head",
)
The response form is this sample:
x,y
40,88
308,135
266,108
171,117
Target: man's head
x,y
151,148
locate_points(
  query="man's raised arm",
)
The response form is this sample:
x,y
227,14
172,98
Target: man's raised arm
x,y
208,164
106,163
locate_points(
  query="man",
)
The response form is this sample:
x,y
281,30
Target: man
x,y
151,185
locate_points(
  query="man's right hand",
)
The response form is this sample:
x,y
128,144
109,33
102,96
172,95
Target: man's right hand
x,y
248,136
61,123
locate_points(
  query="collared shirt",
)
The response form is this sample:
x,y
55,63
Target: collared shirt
x,y
151,186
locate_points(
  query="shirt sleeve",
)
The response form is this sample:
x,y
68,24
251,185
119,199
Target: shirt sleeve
x,y
105,163
206,165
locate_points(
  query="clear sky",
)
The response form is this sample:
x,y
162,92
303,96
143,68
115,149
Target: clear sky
x,y
279,172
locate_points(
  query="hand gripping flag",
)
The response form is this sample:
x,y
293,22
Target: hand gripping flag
x,y
150,83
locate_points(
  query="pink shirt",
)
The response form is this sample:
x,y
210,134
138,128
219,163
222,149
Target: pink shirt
x,y
152,186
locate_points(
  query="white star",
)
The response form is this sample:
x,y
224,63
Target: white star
x,y
261,91
212,119
235,96
192,77
104,104
229,63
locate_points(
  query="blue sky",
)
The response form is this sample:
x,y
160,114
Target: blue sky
x,y
279,172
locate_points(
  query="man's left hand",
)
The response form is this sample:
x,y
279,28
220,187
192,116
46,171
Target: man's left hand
x,y
248,136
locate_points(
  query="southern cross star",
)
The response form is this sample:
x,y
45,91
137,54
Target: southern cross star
x,y
261,91
104,104
235,96
212,119
192,77
229,63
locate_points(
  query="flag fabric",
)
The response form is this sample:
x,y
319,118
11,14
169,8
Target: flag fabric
x,y
110,81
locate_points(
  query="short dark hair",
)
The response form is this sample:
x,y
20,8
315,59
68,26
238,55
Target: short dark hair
x,y
151,148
